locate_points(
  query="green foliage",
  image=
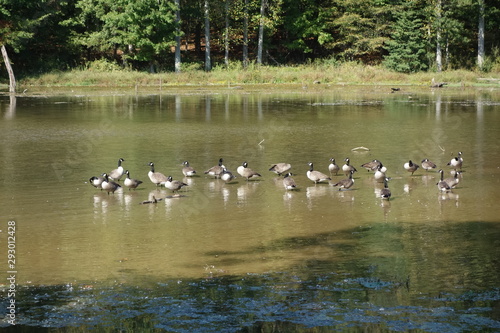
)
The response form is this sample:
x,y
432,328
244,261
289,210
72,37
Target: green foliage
x,y
304,24
407,46
103,65
99,34
146,26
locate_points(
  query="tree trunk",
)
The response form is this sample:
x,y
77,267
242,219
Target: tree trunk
x,y
260,44
480,35
208,64
177,36
12,78
245,34
439,57
226,36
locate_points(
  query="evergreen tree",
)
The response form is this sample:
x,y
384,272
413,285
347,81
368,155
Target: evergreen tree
x,y
408,46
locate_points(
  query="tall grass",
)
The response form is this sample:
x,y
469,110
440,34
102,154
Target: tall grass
x,y
317,72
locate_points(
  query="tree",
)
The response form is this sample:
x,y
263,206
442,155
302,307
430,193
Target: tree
x,y
226,33
480,35
260,44
439,57
12,78
18,21
407,46
143,30
305,29
245,34
361,28
177,60
208,61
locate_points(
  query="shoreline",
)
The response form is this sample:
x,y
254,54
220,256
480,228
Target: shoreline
x,y
310,77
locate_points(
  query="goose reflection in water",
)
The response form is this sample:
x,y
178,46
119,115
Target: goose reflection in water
x,y
448,196
245,190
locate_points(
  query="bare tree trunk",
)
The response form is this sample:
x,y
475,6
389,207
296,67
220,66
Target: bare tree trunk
x,y
245,34
439,57
226,36
260,44
12,78
208,64
480,35
177,36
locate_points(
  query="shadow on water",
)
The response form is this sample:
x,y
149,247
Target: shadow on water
x,y
379,291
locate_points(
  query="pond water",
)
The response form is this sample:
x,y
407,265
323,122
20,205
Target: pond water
x,y
250,256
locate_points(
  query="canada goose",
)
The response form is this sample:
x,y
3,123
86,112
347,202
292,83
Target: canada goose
x,y
288,182
117,173
345,183
280,168
156,177
217,170
333,168
372,165
427,165
131,183
347,168
227,175
442,185
96,181
453,181
380,173
174,185
246,172
187,170
109,186
385,193
316,176
456,162
411,167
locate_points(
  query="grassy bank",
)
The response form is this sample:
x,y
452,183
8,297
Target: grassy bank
x,y
345,74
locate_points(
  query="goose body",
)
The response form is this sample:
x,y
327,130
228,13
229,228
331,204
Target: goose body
x,y
427,165
131,183
347,168
96,181
156,178
117,173
227,176
442,185
217,170
333,167
385,193
288,182
453,181
411,167
380,174
280,168
174,185
316,176
244,171
456,162
372,165
108,185
345,183
188,170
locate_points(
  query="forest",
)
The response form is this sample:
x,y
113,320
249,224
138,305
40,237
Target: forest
x,y
406,36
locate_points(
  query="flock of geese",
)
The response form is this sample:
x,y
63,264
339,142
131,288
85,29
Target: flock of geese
x,y
108,181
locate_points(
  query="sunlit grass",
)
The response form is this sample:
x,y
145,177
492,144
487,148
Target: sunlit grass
x,y
324,73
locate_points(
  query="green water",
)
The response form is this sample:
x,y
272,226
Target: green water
x,y
249,255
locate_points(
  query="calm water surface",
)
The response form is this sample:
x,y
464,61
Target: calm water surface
x,y
249,255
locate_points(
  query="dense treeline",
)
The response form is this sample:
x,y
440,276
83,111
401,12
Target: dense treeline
x,y
403,35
